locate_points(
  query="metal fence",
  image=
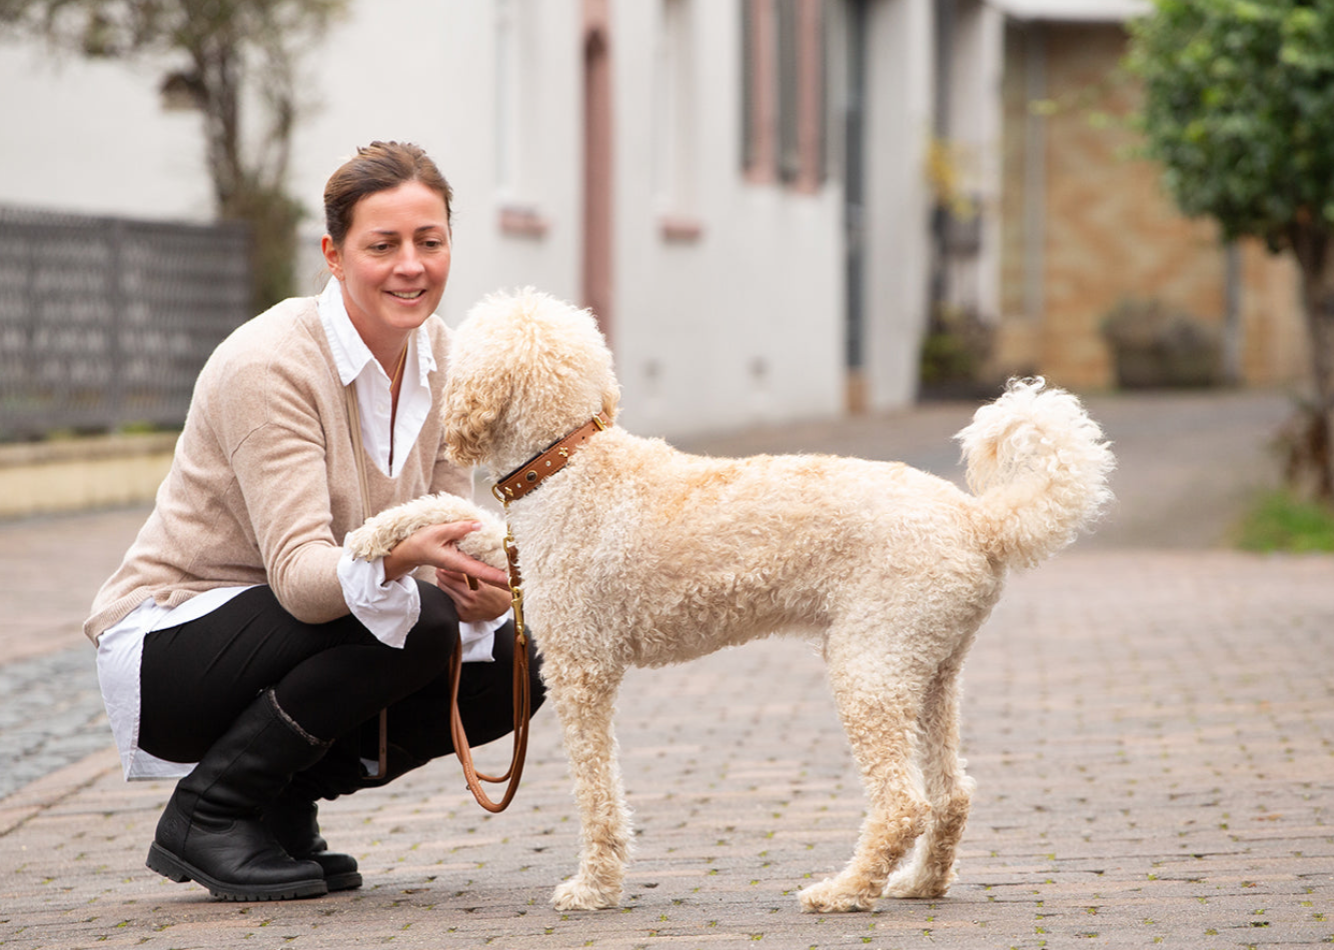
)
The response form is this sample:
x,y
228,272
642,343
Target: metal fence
x,y
106,322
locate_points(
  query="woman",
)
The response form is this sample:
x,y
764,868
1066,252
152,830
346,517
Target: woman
x,y
236,634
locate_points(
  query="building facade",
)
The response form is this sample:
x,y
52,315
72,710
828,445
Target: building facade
x,y
1087,226
677,165
748,193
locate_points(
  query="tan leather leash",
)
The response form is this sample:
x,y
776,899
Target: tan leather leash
x,y
359,453
522,702
515,485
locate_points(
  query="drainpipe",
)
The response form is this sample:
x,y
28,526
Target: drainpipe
x,y
1232,329
1035,172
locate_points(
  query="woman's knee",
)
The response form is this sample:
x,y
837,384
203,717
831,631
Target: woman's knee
x,y
433,639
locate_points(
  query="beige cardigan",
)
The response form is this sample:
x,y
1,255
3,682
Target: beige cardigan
x,y
263,486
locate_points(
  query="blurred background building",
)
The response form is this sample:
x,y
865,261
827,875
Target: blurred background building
x,y
778,209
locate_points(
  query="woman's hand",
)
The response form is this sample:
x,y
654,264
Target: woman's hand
x,y
474,602
436,546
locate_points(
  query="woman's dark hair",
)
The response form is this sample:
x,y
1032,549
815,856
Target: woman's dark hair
x,y
379,166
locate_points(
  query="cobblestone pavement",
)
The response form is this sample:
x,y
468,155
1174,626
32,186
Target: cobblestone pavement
x,y
1150,719
50,705
51,715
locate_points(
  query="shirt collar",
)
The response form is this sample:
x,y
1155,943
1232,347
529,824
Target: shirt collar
x,y
350,352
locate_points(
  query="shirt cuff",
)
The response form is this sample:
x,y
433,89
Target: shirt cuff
x,y
478,640
388,610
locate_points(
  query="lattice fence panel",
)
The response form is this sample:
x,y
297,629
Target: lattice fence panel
x,y
106,322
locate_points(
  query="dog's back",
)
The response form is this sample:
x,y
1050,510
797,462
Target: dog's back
x,y
692,553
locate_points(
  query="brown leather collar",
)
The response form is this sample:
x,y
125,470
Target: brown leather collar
x,y
532,473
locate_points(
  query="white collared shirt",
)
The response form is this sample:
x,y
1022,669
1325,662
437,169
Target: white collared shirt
x,y
355,362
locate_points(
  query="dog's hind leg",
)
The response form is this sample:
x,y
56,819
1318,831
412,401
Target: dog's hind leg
x,y
584,700
930,870
879,709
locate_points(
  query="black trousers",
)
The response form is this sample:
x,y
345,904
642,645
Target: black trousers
x,y
332,678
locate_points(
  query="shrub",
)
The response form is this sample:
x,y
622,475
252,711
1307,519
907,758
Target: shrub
x,y
1155,347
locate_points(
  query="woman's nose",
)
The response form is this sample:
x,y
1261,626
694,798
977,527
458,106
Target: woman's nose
x,y
409,262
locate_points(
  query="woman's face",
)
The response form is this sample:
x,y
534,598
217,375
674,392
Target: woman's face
x,y
394,261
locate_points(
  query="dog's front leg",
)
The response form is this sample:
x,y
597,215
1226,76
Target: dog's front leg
x,y
584,700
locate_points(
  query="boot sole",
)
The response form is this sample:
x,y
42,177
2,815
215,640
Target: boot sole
x,y
173,868
343,882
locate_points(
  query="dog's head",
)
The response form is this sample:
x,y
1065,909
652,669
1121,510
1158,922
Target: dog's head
x,y
524,370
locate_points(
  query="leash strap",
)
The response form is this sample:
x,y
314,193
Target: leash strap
x,y
521,689
354,423
522,703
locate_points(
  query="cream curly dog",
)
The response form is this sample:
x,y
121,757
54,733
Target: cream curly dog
x,y
635,554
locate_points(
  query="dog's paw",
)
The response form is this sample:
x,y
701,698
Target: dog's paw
x,y
919,883
831,897
575,894
487,543
383,532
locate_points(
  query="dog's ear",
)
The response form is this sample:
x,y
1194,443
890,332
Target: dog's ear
x,y
469,418
611,397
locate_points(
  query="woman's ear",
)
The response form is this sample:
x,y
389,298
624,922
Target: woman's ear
x,y
332,257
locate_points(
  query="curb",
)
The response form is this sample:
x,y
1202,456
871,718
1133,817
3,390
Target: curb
x,y
38,796
82,474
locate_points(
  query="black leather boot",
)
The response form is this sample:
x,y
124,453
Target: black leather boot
x,y
294,820
212,830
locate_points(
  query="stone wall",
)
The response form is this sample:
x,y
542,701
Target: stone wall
x,y
1087,225
82,474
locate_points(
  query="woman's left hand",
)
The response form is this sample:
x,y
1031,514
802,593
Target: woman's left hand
x,y
485,602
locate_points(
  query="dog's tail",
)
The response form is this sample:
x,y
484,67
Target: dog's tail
x,y
1039,466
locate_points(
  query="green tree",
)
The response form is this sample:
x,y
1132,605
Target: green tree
x,y
1239,109
224,55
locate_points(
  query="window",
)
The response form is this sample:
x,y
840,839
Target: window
x,y
783,114
674,107
514,105
674,122
508,100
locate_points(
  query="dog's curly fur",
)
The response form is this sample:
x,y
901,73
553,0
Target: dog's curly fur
x,y
639,555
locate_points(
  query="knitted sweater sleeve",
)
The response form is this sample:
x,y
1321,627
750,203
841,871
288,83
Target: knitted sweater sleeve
x,y
279,459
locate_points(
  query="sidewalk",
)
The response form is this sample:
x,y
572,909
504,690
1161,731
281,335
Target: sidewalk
x,y
1149,718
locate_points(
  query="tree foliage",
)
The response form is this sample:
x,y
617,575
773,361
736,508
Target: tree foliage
x,y
226,55
1239,109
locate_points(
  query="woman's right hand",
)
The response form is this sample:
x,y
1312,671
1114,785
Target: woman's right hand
x,y
436,546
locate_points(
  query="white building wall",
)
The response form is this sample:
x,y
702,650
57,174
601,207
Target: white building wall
x,y
91,137
443,95
988,44
742,325
975,137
